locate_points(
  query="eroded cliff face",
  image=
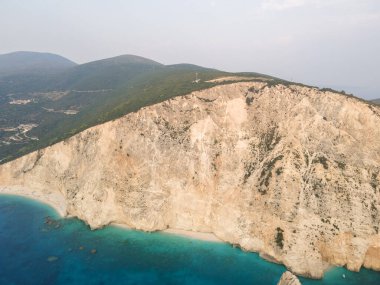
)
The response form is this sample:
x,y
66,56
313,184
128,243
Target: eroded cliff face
x,y
289,172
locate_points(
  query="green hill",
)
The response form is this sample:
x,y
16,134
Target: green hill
x,y
24,62
43,108
109,73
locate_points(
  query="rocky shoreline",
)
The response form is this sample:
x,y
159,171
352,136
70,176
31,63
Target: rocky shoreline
x,y
290,172
288,279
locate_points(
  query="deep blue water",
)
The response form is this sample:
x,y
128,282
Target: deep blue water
x,y
33,252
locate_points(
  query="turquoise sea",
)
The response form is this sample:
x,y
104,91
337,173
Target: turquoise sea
x,y
34,250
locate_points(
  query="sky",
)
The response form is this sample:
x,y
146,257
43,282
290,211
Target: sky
x,y
326,43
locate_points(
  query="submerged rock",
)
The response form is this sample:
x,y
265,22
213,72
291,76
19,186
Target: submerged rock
x,y
52,258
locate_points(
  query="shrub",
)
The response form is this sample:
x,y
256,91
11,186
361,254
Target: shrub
x,y
280,238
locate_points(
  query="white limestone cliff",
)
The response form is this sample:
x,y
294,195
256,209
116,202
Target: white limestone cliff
x,y
289,172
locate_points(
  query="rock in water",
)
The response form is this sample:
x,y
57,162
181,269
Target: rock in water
x,y
288,279
52,258
288,171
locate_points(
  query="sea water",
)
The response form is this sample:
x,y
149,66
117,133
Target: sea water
x,y
36,250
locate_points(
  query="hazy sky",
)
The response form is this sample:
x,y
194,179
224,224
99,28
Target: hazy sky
x,y
333,43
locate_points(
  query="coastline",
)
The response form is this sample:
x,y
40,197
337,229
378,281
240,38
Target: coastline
x,y
53,199
248,262
57,201
183,233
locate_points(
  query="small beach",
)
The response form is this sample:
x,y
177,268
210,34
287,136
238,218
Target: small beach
x,y
193,235
53,199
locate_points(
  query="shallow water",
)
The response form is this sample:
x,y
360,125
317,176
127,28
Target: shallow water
x,y
32,252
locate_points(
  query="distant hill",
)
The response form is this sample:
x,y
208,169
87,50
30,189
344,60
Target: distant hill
x,y
376,101
108,73
25,62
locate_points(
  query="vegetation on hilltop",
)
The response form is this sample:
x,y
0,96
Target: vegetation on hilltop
x,y
80,96
99,91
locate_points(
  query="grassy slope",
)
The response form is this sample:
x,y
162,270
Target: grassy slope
x,y
135,82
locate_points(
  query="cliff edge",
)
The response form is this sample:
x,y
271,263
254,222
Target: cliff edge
x,y
290,172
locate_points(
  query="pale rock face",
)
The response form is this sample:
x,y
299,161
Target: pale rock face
x,y
289,172
288,279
